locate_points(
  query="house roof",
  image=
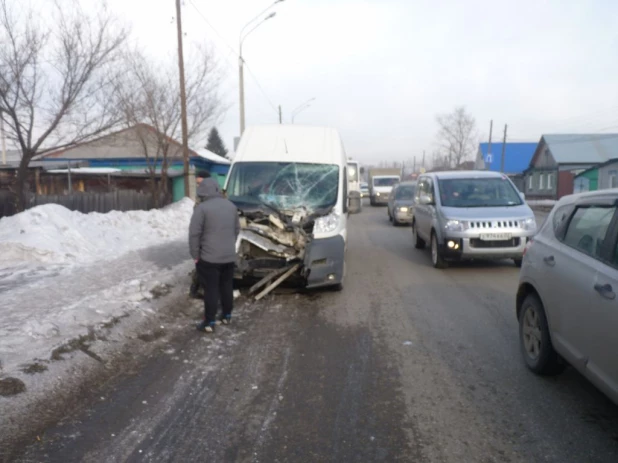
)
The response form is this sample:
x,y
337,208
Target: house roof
x,y
582,148
12,156
597,166
115,145
517,156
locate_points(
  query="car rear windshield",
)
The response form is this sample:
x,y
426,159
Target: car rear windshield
x,y
405,192
385,181
478,192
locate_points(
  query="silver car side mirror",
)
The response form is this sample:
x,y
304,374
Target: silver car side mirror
x,y
425,200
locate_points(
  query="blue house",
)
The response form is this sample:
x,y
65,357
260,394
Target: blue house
x,y
517,157
135,150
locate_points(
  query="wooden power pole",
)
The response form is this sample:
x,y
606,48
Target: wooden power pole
x,y
183,101
503,150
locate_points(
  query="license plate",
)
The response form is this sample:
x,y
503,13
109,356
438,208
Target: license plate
x,y
496,236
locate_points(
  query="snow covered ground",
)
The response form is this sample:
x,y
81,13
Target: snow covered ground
x,y
64,274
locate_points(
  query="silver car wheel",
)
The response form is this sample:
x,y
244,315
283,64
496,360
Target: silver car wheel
x,y
532,333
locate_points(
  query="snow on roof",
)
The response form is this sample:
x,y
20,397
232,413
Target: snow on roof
x,y
86,170
207,154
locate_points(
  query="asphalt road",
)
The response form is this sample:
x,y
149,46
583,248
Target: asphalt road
x,y
407,364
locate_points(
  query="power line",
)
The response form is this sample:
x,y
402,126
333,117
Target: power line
x,y
260,87
213,28
255,80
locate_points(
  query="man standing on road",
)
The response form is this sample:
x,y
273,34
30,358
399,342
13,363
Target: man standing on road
x,y
212,241
194,290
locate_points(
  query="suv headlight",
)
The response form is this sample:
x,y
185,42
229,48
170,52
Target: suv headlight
x,y
454,225
528,224
403,208
326,224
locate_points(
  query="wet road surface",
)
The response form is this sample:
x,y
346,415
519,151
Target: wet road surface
x,y
408,364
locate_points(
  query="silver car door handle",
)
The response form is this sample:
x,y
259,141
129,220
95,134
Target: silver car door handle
x,y
605,290
549,260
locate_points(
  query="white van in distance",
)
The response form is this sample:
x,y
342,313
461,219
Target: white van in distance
x,y
290,184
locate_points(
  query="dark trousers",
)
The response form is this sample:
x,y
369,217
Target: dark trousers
x,y
218,283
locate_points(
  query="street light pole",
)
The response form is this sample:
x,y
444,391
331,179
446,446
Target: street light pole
x,y
241,88
302,107
241,76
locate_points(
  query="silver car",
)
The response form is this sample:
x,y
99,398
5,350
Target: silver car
x,y
470,215
400,203
364,189
566,302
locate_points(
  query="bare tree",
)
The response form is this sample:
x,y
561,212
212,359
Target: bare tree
x,y
150,102
457,137
55,78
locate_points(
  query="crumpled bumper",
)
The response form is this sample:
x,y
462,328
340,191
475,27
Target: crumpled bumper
x,y
324,262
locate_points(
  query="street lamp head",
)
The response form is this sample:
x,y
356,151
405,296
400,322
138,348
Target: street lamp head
x,y
271,15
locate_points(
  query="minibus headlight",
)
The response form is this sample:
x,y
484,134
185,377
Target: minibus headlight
x,y
326,224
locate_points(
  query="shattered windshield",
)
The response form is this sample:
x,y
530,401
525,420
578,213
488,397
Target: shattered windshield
x,y
385,181
284,185
478,192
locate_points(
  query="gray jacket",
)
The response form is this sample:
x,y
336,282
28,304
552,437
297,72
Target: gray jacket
x,y
214,226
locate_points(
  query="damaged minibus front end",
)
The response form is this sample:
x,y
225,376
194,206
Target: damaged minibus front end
x,y
289,220
271,243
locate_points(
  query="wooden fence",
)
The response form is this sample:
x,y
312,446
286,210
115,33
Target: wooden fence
x,y
122,200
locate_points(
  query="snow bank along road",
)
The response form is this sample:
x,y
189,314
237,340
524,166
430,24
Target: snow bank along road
x,y
407,364
67,280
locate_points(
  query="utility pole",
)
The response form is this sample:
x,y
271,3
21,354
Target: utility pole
x,y
183,101
3,139
503,150
414,166
280,116
423,158
491,127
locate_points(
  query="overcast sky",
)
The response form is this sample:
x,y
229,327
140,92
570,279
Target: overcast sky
x,y
381,70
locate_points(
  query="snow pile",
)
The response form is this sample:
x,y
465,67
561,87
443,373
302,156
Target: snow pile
x,y
53,234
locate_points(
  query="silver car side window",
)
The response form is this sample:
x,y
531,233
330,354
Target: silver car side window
x,y
587,229
560,219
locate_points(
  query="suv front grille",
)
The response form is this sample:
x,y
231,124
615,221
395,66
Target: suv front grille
x,y
479,243
485,224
